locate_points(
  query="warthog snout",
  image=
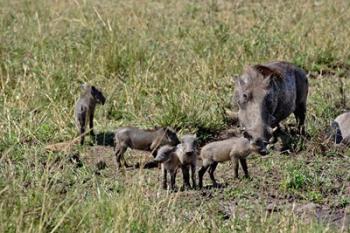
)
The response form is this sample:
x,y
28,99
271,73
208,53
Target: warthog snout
x,y
189,148
263,152
189,153
261,146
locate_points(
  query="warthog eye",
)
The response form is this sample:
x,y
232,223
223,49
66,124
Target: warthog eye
x,y
247,96
247,135
244,98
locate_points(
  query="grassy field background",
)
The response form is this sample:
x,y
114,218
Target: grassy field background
x,y
165,63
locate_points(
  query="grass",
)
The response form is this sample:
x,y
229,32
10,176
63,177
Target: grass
x,y
163,63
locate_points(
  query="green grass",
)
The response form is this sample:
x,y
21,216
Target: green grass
x,y
163,63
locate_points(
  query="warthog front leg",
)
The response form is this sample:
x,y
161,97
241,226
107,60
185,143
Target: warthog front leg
x,y
235,167
186,176
245,167
172,179
193,175
165,179
82,126
91,125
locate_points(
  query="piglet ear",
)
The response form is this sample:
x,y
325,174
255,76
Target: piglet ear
x,y
270,75
234,78
84,86
266,71
93,90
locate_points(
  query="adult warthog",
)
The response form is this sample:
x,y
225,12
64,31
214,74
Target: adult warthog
x,y
266,95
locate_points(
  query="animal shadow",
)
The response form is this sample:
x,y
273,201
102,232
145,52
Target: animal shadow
x,y
217,186
148,165
105,139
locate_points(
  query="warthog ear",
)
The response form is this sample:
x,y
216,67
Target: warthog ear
x,y
234,78
266,71
182,140
84,86
168,132
93,90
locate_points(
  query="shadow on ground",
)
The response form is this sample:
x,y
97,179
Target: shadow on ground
x,y
105,139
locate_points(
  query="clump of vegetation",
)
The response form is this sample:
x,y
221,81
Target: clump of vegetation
x,y
295,179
